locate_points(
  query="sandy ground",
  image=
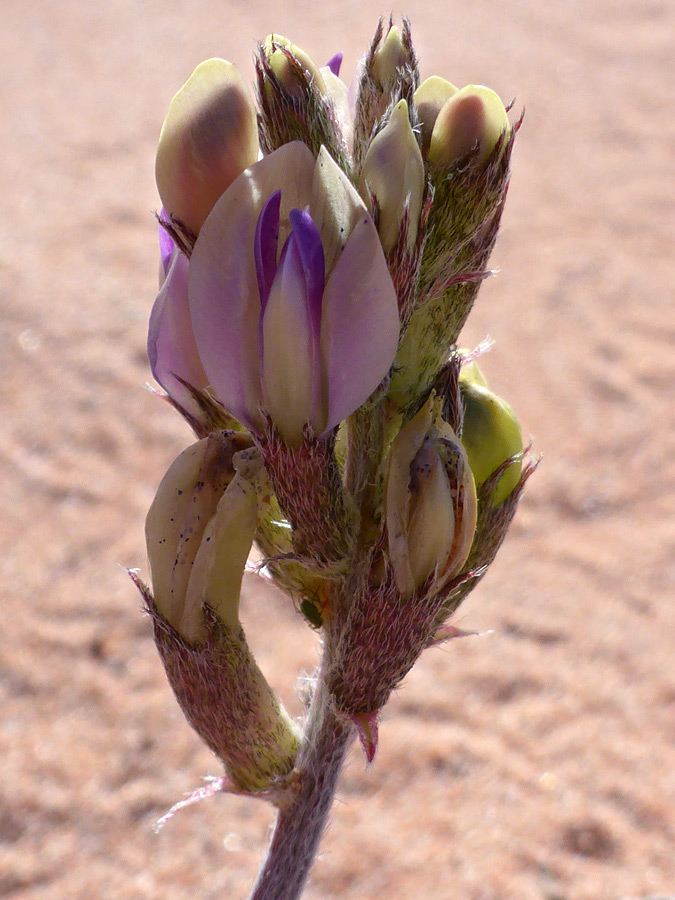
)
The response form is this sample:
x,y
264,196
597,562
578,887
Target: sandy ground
x,y
536,763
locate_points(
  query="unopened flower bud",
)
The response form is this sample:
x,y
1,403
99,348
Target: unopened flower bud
x,y
473,117
430,504
431,523
491,435
300,101
199,532
390,58
430,98
291,65
209,137
393,172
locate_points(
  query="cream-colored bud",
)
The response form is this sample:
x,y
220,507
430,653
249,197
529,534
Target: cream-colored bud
x,y
208,138
276,49
431,524
199,532
389,58
393,172
430,98
474,116
430,502
491,434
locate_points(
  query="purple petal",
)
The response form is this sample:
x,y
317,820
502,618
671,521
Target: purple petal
x,y
290,365
223,284
359,325
172,350
265,247
334,63
306,236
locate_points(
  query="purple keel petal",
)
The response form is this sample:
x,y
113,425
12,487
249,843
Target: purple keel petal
x,y
172,350
265,247
308,241
306,237
360,324
334,63
289,359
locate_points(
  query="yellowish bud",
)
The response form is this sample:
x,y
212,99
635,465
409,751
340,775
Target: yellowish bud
x,y
208,138
430,98
389,58
393,172
276,49
475,115
491,434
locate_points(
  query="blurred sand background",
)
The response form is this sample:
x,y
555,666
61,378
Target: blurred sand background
x,y
535,763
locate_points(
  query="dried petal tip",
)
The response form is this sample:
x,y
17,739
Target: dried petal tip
x,y
393,173
208,138
366,726
491,435
473,117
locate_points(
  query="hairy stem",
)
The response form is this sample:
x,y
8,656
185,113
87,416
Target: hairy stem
x,y
300,824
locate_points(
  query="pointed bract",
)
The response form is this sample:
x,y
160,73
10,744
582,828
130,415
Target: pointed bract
x,y
367,729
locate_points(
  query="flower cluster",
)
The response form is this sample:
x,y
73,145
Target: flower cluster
x,y
319,257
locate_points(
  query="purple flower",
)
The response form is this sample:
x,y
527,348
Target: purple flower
x,y
292,313
172,350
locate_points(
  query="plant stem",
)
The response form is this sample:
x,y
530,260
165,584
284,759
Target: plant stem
x,y
300,824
